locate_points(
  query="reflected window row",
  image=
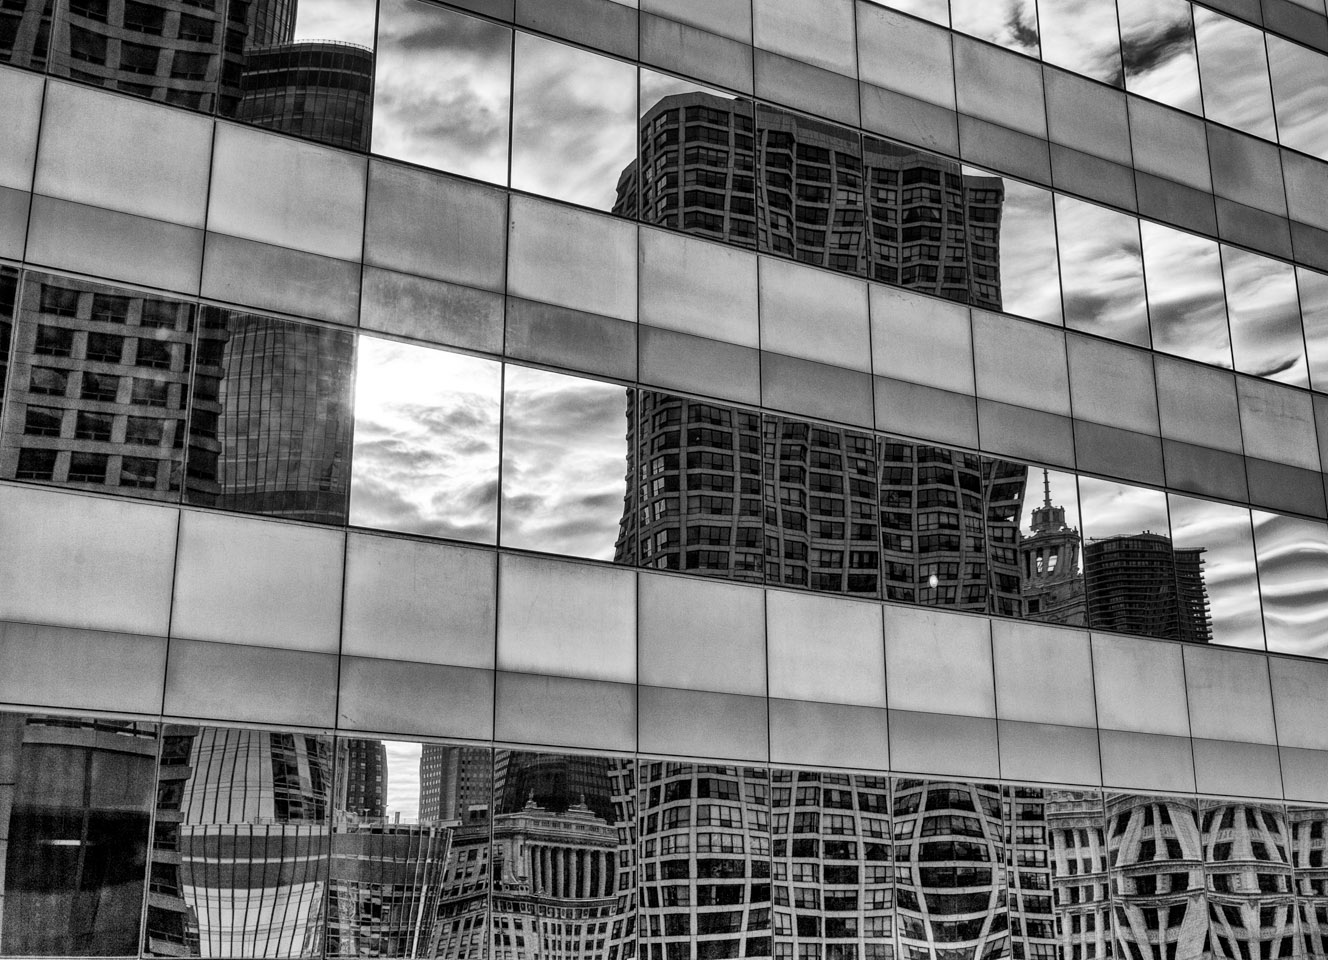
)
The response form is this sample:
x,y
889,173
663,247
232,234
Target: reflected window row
x,y
272,843
111,390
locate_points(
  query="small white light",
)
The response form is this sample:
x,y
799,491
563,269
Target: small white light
x,y
932,581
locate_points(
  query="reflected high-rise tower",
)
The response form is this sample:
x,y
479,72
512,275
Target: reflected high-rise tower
x,y
1143,584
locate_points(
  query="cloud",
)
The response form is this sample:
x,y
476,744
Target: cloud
x,y
1102,271
1081,35
1157,48
1185,295
1011,23
1234,67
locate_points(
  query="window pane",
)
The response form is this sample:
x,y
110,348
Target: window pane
x,y
1081,35
1186,306
1234,68
1313,289
1300,89
1012,24
1157,46
1035,548
1293,569
1226,576
1102,271
1265,317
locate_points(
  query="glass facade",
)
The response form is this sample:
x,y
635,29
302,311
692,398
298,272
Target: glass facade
x,y
664,479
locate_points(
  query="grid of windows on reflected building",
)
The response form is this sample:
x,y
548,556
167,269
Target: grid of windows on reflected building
x,y
264,843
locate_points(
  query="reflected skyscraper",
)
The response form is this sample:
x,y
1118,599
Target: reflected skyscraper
x,y
1144,585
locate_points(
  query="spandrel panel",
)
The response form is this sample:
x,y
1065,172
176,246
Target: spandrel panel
x,y
566,447
937,11
242,845
1292,556
1034,548
573,122
933,542
1313,290
1249,878
1102,271
77,800
271,425
833,867
1233,65
1012,238
98,388
1157,876
25,34
1138,580
813,176
1081,35
1300,89
950,880
442,91
1012,24
410,849
697,169
1264,315
426,441
699,469
705,860
305,69
1186,304
1223,582
1157,47
820,492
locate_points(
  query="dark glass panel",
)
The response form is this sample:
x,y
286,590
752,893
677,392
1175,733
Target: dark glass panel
x,y
705,860
69,331
241,850
442,94
75,808
1035,551
1081,35
1012,23
1157,47
1247,863
270,428
1223,580
8,303
25,31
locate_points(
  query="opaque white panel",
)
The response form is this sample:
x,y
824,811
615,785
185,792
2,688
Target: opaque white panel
x,y
814,314
1043,674
1298,687
905,55
566,619
694,723
567,712
572,258
1197,404
698,287
939,662
1229,696
824,648
395,697
1169,143
260,582
1277,423
1112,384
921,339
999,86
1140,685
20,105
86,562
81,669
1020,363
223,681
288,193
820,34
702,635
829,734
427,602
146,160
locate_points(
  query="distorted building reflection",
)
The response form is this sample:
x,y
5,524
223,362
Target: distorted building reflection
x,y
1051,581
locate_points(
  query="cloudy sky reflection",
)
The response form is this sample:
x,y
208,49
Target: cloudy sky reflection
x,y
403,780
350,21
1313,288
1265,317
1120,510
1030,275
1223,530
1011,23
1185,297
1102,271
426,441
1300,89
1157,47
1081,35
1234,67
1293,575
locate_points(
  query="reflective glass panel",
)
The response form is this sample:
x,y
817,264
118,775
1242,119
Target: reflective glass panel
x,y
938,11
1248,869
1157,47
98,389
1139,581
833,865
1157,876
75,810
705,860
574,122
1293,578
1186,305
1068,868
442,92
699,470
950,880
1102,271
1012,229
1313,290
566,445
1010,23
410,850
1264,314
1081,35
426,441
697,170
813,176
1300,90
1223,581
271,424
25,33
305,69
8,301
933,540
1234,69
1035,551
1307,825
242,847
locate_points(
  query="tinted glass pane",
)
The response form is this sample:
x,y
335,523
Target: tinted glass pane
x,y
1265,317
1013,228
25,32
271,425
1157,46
1300,88
1307,825
1234,68
76,801
426,441
8,301
1102,271
1293,568
1068,867
697,170
574,122
1313,289
1248,870
241,852
1012,24
442,93
1226,582
1035,548
110,374
1081,36
565,449
1186,305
